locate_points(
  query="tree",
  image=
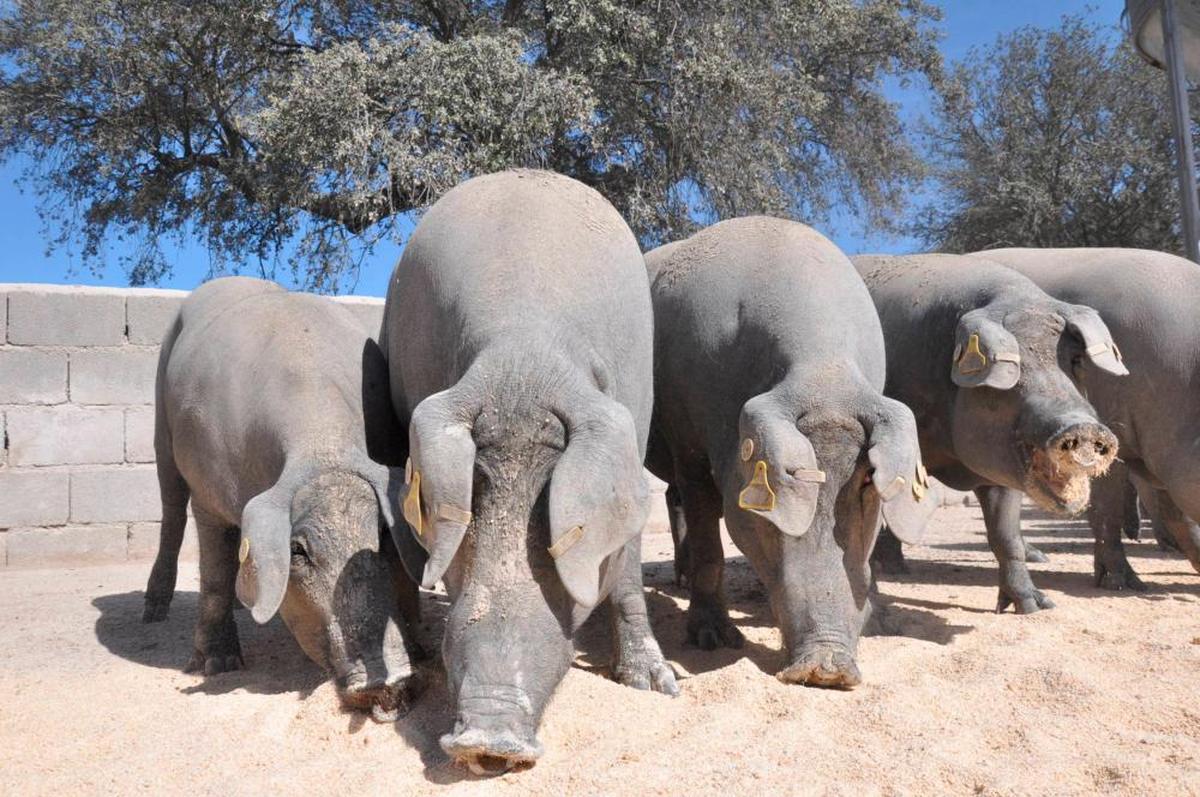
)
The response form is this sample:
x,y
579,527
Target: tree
x,y
304,129
1053,138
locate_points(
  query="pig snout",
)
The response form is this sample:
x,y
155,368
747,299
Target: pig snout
x,y
1061,470
384,683
494,733
1089,446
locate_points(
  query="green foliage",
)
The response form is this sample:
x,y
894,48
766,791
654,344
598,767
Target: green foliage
x,y
305,129
1053,138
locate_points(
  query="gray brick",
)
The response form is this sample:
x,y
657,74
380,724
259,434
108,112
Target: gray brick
x,y
149,313
33,497
65,435
3,450
3,326
103,495
69,545
113,376
143,542
60,315
32,376
3,548
368,311
139,434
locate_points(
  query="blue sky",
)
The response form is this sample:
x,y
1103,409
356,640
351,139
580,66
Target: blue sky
x,y
965,24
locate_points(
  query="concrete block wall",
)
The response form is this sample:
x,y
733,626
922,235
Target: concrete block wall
x,y
77,368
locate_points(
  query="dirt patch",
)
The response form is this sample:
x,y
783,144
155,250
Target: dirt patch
x,y
1095,696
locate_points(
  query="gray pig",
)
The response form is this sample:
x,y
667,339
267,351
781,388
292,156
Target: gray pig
x,y
983,358
769,410
1149,299
518,334
264,403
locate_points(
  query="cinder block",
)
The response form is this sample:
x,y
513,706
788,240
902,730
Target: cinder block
x,y
139,434
3,326
32,376
105,495
368,310
65,435
68,545
143,541
34,497
60,315
3,448
113,376
3,549
149,313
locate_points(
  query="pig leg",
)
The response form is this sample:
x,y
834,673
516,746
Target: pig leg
x,y
1181,532
888,555
637,659
1032,554
678,534
161,586
708,624
1002,517
216,638
1106,515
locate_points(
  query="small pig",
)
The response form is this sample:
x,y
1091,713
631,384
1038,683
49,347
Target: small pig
x,y
265,403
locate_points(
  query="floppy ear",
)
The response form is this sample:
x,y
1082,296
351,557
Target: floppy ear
x,y
439,479
776,467
389,486
985,353
1087,326
265,552
905,498
598,498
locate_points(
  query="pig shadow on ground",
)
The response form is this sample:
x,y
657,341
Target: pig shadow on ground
x,y
274,662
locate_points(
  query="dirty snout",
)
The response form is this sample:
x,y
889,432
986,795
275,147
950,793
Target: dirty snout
x,y
383,684
494,733
1059,473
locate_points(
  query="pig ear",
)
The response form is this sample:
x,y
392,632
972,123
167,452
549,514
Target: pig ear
x,y
265,553
985,354
439,480
1087,326
599,498
777,471
390,489
906,498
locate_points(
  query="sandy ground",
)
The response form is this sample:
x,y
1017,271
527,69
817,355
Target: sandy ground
x,y
1096,696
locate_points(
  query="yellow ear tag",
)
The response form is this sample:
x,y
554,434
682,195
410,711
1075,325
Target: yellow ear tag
x,y
758,495
918,490
412,503
922,474
973,359
243,550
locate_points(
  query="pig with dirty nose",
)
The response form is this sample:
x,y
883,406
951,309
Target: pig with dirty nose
x,y
983,357
769,411
265,401
518,335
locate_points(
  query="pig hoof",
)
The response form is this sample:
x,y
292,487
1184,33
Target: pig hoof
x,y
491,753
156,610
1118,578
217,659
1024,602
1034,555
709,628
827,667
648,672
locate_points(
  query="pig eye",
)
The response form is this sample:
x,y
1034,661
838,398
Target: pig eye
x,y
299,552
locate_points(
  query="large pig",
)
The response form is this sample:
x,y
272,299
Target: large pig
x,y
518,336
265,400
769,410
1149,300
983,358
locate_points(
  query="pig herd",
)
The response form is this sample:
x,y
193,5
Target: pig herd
x,y
532,362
